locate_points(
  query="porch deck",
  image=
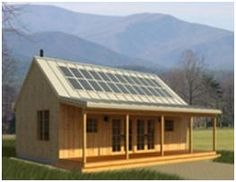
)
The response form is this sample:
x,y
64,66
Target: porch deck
x,y
111,162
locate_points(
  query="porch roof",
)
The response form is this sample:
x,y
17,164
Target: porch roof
x,y
130,106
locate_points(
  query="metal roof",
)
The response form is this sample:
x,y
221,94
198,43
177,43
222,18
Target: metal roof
x,y
98,86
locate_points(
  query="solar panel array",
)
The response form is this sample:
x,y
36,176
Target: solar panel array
x,y
101,81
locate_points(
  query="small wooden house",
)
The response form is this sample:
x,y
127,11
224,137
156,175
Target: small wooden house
x,y
96,118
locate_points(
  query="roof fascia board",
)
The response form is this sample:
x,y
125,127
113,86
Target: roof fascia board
x,y
74,102
153,108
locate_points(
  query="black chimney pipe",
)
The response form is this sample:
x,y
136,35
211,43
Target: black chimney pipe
x,y
41,53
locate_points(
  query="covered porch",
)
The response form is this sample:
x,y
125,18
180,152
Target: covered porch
x,y
130,156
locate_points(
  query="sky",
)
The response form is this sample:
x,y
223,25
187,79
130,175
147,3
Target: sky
x,y
217,14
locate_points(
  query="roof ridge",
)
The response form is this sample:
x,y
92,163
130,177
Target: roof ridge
x,y
94,65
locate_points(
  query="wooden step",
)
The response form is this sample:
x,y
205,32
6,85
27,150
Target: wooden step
x,y
147,159
148,163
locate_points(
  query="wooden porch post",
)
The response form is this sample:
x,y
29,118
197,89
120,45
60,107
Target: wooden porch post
x,y
214,133
84,137
191,134
162,135
127,136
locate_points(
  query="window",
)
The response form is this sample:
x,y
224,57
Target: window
x,y
116,135
91,125
43,125
151,133
169,125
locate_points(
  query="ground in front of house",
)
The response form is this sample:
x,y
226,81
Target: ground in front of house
x,y
190,170
199,170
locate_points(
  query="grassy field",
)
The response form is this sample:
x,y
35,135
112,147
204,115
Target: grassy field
x,y
13,169
202,139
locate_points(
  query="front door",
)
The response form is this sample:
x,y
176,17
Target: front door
x,y
140,134
145,134
118,136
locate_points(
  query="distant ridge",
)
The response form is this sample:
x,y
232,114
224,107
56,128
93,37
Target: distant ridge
x,y
159,39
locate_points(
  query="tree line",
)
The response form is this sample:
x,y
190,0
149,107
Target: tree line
x,y
202,87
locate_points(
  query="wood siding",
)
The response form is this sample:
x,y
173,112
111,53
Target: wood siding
x,y
36,94
100,143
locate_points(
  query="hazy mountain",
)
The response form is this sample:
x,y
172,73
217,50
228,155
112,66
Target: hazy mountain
x,y
159,38
62,45
163,38
41,18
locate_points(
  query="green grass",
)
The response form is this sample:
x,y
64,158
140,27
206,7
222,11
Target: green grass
x,y
13,169
202,139
20,170
226,157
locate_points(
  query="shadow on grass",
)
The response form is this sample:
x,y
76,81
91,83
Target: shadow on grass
x,y
8,148
226,157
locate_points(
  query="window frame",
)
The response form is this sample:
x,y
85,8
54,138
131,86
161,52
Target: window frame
x,y
92,125
43,125
169,125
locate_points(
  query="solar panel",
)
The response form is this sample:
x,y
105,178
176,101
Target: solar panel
x,y
122,87
131,89
76,73
142,80
95,75
66,71
95,85
105,87
149,82
139,90
74,83
86,74
154,92
104,76
121,78
117,83
157,84
112,77
136,80
129,79
114,87
146,91
85,84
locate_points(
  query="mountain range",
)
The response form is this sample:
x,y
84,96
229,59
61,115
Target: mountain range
x,y
147,39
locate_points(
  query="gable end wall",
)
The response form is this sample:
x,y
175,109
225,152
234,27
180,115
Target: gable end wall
x,y
36,94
